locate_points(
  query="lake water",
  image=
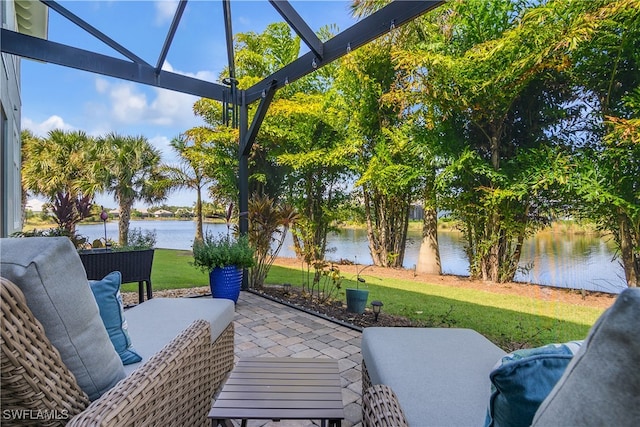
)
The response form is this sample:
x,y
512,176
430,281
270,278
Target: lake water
x,y
571,261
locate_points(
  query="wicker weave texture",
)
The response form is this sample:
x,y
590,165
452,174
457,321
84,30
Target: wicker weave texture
x,y
366,380
174,388
37,388
381,408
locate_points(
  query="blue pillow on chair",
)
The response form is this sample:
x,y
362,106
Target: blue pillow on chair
x,y
109,299
521,380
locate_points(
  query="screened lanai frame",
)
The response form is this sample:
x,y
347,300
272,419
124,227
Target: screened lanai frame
x,y
137,70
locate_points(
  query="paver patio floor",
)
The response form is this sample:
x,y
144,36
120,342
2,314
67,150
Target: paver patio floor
x,y
265,328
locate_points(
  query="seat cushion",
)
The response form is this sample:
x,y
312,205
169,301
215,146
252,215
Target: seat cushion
x,y
440,375
154,323
109,299
601,385
49,273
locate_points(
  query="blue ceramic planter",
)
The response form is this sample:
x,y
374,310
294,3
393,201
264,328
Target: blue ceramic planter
x,y
225,282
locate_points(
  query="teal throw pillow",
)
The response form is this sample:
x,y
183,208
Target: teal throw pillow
x,y
109,299
521,380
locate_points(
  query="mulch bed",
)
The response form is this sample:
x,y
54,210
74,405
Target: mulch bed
x,y
335,310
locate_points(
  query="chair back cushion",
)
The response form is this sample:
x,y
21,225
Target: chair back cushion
x,y
601,385
49,272
36,385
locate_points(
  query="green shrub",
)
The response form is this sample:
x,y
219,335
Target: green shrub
x,y
139,239
222,251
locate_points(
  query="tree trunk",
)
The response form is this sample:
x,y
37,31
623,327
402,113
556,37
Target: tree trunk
x,y
493,256
199,232
429,256
372,238
387,220
629,259
126,203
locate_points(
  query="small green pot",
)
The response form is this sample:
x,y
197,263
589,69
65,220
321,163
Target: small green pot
x,y
357,300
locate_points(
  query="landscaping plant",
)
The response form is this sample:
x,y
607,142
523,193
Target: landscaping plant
x,y
268,226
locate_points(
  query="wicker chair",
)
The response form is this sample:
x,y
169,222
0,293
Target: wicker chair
x,y
380,406
174,387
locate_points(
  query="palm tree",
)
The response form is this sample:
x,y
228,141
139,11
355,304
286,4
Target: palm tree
x,y
191,172
60,167
131,170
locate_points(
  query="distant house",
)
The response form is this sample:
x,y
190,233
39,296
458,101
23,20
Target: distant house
x,y
115,213
162,213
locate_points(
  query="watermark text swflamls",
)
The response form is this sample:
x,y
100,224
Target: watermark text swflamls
x,y
35,414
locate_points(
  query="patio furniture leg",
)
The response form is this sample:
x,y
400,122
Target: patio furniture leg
x,y
140,292
149,290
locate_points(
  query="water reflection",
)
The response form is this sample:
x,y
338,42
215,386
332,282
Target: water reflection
x,y
572,261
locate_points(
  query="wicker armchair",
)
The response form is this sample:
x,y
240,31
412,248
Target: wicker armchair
x,y
380,406
174,387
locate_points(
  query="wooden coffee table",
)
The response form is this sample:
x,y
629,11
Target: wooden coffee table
x,y
268,388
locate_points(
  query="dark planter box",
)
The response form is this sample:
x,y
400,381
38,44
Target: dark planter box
x,y
135,266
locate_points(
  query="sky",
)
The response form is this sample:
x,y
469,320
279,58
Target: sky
x,y
55,97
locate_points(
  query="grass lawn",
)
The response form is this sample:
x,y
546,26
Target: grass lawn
x,y
507,320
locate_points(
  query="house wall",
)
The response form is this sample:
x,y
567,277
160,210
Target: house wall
x,y
10,107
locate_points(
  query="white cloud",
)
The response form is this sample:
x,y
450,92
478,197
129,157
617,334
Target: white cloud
x,y
202,75
165,10
129,104
101,85
41,129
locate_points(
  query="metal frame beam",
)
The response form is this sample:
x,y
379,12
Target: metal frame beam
x,y
247,142
391,16
299,25
170,34
59,54
228,32
386,19
93,31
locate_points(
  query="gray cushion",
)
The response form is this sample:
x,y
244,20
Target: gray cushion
x,y
440,375
49,272
601,385
153,324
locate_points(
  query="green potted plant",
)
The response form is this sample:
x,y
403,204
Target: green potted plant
x,y
225,259
357,298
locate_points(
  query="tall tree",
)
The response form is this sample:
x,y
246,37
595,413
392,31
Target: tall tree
x,y
293,156
607,80
384,158
498,68
307,136
190,173
208,160
130,169
60,167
